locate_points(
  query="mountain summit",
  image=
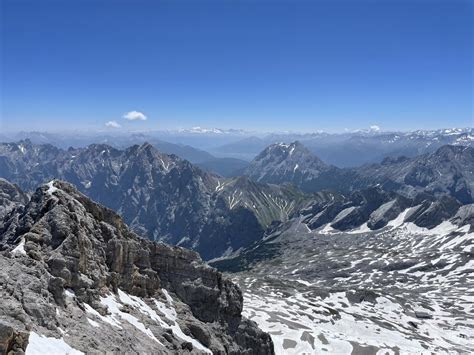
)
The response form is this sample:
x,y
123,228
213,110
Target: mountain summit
x,y
282,162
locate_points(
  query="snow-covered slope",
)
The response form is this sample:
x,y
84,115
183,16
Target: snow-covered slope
x,y
400,289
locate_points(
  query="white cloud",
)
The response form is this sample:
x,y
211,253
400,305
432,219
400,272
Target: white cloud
x,y
112,124
375,128
134,116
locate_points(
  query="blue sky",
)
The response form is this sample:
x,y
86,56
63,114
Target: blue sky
x,y
259,65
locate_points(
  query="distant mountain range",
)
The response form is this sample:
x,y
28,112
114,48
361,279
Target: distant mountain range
x,y
226,167
161,197
354,148
199,144
166,198
66,141
448,170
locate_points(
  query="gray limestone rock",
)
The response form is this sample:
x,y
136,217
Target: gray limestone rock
x,y
67,259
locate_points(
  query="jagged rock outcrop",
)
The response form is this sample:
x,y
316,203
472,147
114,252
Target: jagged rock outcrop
x,y
12,342
74,275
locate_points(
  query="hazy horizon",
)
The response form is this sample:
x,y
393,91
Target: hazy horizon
x,y
222,131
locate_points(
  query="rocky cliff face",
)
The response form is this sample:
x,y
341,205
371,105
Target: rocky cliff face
x,y
75,277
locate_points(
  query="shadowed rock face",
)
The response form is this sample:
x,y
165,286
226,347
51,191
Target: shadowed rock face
x,y
63,255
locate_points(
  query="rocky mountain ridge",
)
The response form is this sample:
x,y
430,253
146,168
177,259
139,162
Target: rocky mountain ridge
x,y
449,170
76,279
161,197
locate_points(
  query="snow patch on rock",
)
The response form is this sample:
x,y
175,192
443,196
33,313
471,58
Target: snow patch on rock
x,y
41,345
